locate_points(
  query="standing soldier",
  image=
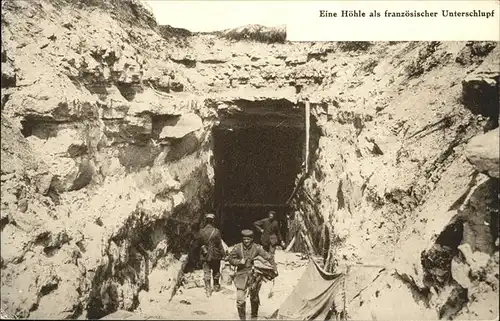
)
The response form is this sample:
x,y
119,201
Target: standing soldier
x,y
242,256
270,232
211,253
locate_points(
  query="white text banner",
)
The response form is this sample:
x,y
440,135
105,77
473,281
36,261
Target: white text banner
x,y
393,21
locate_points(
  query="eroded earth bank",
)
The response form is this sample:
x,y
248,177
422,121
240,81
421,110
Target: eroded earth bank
x,y
108,158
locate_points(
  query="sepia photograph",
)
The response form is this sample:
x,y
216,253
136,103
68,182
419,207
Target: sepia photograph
x,y
186,160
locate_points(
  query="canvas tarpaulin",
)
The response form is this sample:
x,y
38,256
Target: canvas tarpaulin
x,y
317,296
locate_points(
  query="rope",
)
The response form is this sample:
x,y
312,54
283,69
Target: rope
x,y
359,293
385,267
344,290
367,265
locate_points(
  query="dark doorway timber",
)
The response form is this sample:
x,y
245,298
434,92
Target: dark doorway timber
x,y
257,160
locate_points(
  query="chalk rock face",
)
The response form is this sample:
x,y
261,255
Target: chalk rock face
x,y
181,126
483,152
116,106
49,97
65,154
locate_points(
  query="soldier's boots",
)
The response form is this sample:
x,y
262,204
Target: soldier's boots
x,y
216,285
208,288
254,310
242,311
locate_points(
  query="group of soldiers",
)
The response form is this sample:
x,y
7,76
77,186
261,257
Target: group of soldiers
x,y
253,262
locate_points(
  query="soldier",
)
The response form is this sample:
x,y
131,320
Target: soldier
x,y
270,232
242,256
211,253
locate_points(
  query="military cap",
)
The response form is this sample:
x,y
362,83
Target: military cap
x,y
210,215
247,233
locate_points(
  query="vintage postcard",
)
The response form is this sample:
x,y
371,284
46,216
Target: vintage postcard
x,y
264,160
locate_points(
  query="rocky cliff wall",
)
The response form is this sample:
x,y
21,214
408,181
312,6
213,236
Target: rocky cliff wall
x,y
106,151
393,177
103,175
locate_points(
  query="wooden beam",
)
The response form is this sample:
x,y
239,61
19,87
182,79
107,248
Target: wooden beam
x,y
299,183
259,121
307,111
292,242
252,205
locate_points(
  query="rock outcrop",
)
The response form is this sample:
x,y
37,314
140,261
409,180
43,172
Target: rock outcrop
x,y
482,151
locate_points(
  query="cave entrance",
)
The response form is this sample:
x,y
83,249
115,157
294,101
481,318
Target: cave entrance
x,y
256,162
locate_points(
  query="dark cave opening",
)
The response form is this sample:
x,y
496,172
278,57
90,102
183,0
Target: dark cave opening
x,y
256,165
28,125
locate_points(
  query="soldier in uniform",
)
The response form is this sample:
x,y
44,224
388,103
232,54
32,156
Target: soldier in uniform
x,y
242,256
270,232
211,253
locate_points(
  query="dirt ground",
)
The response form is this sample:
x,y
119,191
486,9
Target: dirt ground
x,y
190,302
